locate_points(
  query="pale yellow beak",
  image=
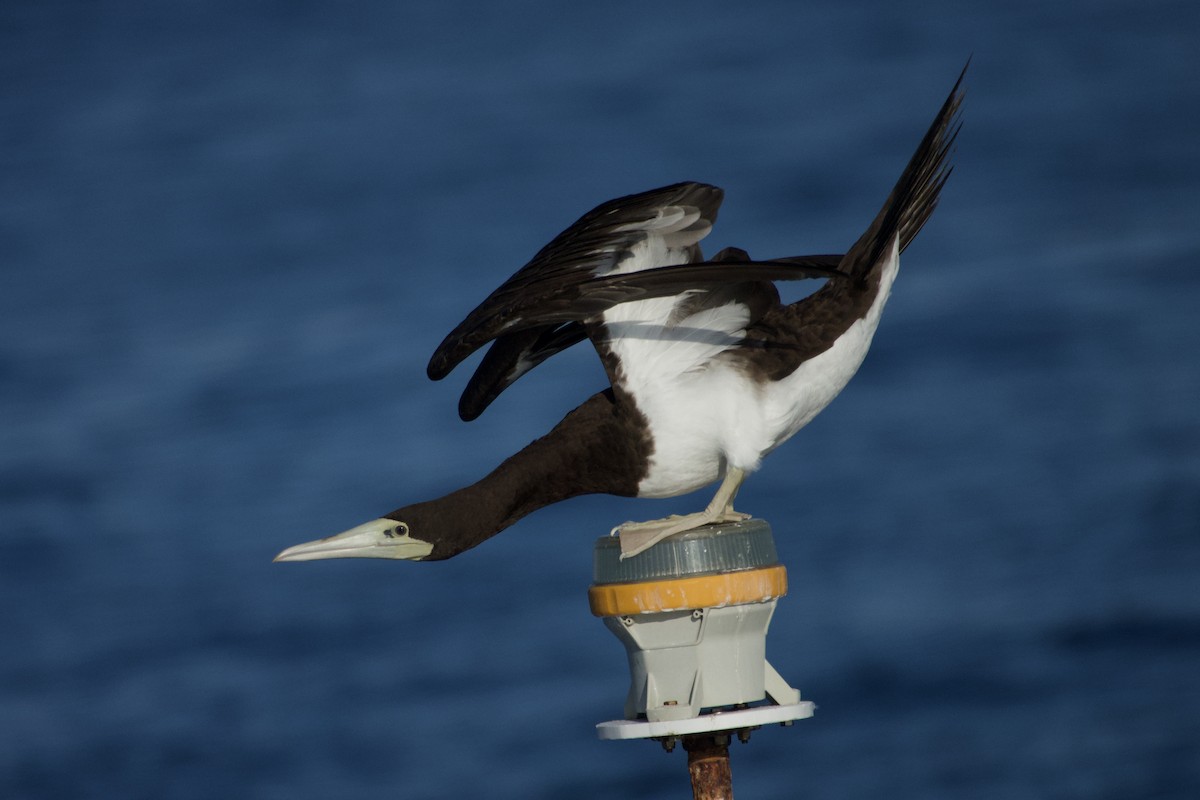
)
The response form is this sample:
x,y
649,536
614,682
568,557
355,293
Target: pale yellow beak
x,y
379,538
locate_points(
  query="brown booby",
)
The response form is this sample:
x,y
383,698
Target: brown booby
x,y
709,370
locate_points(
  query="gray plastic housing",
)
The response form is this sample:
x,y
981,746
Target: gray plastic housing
x,y
682,663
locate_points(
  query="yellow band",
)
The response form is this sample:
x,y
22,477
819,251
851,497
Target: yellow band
x,y
686,594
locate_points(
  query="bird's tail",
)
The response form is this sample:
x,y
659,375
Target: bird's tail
x,y
916,193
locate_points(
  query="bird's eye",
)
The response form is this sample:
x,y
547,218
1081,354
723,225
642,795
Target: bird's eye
x,y
401,529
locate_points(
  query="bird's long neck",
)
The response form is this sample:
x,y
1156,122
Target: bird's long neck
x,y
596,448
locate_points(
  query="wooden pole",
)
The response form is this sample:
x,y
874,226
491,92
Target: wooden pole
x,y
708,764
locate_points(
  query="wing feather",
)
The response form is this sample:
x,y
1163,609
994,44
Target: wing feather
x,y
674,217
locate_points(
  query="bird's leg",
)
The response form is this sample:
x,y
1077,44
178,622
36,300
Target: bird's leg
x,y
639,536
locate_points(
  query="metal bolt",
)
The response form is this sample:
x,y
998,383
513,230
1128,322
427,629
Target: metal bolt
x,y
668,743
744,735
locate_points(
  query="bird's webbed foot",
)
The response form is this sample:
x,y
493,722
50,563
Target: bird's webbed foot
x,y
637,537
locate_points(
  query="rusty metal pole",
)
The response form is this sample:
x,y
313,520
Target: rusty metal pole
x,y
708,764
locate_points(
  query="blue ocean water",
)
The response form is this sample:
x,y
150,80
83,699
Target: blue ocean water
x,y
231,234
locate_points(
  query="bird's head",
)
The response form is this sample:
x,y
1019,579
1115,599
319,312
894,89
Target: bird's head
x,y
397,535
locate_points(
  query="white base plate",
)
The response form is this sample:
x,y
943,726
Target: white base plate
x,y
705,723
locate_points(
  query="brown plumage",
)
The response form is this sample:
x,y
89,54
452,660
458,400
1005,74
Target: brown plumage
x,y
709,371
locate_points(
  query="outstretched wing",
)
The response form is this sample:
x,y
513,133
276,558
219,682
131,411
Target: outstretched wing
x,y
633,248
542,333
654,228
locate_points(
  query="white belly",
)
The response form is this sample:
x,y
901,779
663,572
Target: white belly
x,y
708,419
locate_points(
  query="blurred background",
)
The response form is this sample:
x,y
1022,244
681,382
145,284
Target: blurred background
x,y
232,233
